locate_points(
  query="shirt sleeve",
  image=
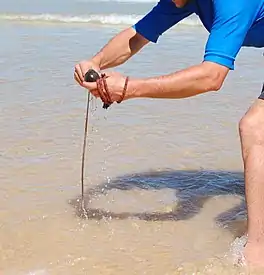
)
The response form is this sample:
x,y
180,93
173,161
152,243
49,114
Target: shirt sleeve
x,y
162,17
232,20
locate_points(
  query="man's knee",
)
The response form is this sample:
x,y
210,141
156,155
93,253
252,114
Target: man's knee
x,y
252,125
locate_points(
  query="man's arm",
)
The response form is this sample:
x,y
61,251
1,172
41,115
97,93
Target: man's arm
x,y
195,80
127,43
119,49
232,20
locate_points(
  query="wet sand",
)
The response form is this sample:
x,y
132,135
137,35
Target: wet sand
x,y
164,179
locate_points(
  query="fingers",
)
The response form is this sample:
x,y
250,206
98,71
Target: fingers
x,y
79,73
95,93
98,88
92,87
101,91
77,79
89,85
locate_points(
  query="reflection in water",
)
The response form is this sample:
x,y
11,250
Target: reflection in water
x,y
192,189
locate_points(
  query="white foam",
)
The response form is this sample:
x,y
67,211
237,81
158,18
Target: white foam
x,y
57,18
33,272
237,248
105,19
38,272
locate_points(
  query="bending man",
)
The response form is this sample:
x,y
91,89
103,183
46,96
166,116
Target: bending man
x,y
232,25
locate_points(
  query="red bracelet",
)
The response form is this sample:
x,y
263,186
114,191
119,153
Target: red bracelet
x,y
104,91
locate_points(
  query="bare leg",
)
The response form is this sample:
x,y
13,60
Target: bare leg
x,y
251,129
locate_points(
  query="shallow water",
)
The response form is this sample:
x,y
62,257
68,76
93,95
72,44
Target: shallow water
x,y
164,183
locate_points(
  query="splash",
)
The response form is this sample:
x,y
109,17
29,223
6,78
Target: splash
x,y
236,251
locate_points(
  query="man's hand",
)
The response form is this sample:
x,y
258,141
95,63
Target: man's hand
x,y
115,83
82,68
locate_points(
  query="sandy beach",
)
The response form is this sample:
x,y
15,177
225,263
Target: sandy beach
x,y
164,186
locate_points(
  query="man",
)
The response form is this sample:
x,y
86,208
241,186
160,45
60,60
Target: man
x,y
231,24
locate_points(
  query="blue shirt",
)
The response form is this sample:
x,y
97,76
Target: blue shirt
x,y
232,24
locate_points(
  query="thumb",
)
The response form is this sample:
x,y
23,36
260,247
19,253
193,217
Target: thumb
x,y
89,85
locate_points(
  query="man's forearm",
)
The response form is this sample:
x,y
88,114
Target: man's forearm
x,y
119,49
186,83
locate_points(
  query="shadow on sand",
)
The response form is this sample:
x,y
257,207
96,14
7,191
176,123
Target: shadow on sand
x,y
193,189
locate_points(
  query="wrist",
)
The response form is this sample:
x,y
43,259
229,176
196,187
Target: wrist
x,y
97,61
134,88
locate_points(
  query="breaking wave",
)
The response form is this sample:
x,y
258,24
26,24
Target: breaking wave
x,y
104,19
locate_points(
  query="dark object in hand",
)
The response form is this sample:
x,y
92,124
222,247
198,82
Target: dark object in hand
x,y
92,76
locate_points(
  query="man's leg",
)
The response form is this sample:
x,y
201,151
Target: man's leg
x,y
251,130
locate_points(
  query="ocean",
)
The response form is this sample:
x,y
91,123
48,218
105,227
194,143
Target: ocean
x,y
164,186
